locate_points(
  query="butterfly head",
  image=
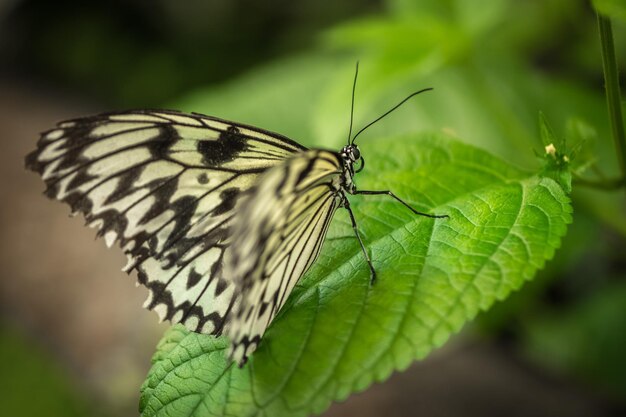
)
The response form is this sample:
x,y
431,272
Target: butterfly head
x,y
352,158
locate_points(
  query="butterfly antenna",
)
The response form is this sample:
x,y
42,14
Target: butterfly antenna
x,y
391,110
356,73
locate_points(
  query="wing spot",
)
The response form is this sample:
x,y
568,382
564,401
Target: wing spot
x,y
220,287
193,278
228,197
224,149
203,178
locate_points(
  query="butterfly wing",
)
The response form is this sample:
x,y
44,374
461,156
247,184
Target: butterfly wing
x,y
165,185
277,235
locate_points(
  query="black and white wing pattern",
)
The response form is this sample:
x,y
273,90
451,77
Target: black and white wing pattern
x,y
166,186
278,234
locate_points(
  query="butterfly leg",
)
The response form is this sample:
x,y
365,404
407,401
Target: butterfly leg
x,y
346,205
391,194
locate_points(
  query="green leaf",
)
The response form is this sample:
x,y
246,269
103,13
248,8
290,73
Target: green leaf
x,y
615,9
337,334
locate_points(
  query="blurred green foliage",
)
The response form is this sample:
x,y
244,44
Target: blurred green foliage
x,y
586,338
613,8
29,368
494,67
135,53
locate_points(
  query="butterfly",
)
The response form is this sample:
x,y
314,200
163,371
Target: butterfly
x,y
219,219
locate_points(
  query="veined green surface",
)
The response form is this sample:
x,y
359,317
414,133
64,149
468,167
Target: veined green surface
x,y
337,334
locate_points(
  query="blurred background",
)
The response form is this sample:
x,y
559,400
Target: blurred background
x,y
74,340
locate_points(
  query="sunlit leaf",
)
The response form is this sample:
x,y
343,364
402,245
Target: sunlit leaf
x,y
337,333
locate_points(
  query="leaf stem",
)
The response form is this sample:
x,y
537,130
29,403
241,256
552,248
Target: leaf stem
x,y
611,84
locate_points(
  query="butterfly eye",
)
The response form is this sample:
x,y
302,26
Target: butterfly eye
x,y
359,165
356,154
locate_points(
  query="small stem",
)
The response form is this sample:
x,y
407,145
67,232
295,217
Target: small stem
x,y
611,84
608,184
